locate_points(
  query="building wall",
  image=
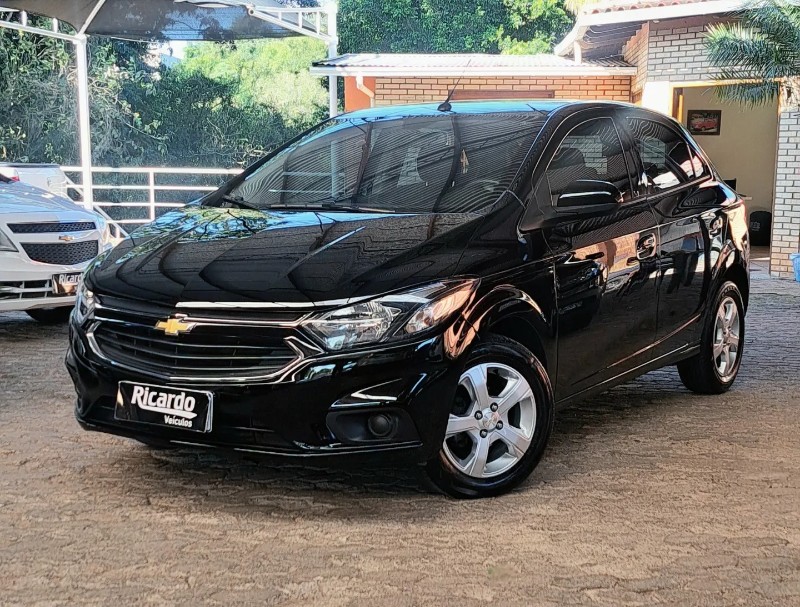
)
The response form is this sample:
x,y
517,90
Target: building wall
x,y
635,52
675,55
745,148
354,99
786,212
390,91
676,50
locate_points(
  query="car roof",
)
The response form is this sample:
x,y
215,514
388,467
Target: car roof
x,y
457,107
473,108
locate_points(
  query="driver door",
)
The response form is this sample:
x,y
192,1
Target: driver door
x,y
606,264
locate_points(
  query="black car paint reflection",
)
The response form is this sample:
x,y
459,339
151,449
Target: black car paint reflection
x,y
598,297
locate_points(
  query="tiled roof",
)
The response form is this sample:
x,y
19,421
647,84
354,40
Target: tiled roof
x,y
608,6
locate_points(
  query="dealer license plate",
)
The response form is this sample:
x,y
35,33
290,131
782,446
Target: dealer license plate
x,y
67,283
164,406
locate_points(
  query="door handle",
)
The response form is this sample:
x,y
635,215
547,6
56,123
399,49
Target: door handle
x,y
646,247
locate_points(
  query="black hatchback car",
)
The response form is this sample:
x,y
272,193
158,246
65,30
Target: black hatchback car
x,y
428,280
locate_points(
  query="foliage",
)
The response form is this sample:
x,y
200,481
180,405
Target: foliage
x,y
38,109
448,26
226,104
761,52
267,72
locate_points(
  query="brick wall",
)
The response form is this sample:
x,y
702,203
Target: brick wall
x,y
635,52
676,50
390,91
786,209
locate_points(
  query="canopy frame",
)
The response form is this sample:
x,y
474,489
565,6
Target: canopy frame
x,y
308,21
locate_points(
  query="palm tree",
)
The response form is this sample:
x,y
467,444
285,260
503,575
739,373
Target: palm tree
x,y
760,53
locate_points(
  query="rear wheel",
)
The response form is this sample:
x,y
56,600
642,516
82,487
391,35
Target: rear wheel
x,y
714,369
499,423
50,316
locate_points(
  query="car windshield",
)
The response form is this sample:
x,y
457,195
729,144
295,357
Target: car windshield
x,y
428,164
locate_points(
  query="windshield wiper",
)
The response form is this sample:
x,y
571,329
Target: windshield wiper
x,y
230,200
330,203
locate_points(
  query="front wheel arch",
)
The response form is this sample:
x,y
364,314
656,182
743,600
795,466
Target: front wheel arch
x,y
510,312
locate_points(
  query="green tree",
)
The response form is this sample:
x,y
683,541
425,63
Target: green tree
x,y
450,26
761,52
38,107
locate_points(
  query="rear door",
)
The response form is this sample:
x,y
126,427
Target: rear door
x,y
677,183
606,264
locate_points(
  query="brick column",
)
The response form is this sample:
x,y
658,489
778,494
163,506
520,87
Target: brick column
x,y
786,208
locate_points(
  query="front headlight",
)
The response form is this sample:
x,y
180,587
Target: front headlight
x,y
391,316
5,243
84,303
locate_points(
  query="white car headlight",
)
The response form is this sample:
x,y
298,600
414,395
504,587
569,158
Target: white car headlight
x,y
84,303
391,316
5,242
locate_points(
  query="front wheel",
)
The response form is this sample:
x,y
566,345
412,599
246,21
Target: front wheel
x,y
714,369
50,316
499,422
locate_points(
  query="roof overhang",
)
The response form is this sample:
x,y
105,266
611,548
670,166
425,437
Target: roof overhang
x,y
595,19
449,66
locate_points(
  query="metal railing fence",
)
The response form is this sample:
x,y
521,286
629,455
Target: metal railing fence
x,y
137,195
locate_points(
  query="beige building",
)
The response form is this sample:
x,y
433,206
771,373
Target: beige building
x,y
648,53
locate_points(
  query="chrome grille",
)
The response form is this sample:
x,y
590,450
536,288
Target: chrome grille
x,y
215,349
67,254
52,226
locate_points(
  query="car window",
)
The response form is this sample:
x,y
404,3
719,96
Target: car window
x,y
665,156
591,151
447,164
699,167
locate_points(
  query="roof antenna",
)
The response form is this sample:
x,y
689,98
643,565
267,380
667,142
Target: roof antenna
x,y
445,105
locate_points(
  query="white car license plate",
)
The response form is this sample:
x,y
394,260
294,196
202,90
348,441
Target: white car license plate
x,y
67,283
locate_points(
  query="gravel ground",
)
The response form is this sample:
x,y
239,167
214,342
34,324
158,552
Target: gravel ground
x,y
646,495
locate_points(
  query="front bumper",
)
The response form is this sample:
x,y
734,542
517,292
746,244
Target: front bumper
x,y
322,409
26,285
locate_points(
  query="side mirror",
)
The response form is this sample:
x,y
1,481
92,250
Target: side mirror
x,y
589,196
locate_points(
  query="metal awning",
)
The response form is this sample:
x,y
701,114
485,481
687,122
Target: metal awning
x,y
163,20
461,64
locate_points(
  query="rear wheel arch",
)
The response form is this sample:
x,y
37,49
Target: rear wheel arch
x,y
738,275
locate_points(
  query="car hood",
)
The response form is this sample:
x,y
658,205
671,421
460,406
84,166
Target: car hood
x,y
232,255
19,199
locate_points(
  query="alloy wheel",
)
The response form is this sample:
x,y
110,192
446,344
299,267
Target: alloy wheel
x,y
727,330
492,422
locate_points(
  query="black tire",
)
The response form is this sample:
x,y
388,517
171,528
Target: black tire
x,y
700,373
50,316
448,478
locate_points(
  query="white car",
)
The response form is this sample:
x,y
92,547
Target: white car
x,y
45,244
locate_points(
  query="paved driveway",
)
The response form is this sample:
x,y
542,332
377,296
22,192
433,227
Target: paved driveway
x,y
646,495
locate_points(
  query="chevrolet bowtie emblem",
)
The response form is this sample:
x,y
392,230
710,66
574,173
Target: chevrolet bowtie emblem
x,y
66,238
175,325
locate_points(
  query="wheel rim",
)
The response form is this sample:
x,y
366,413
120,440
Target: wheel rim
x,y
493,420
727,338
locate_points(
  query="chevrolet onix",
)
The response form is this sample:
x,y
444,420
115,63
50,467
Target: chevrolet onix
x,y
428,280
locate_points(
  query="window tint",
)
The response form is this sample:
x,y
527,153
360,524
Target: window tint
x,y
665,156
592,150
447,164
699,166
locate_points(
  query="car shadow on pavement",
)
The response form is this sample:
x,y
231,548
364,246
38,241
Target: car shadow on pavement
x,y
222,481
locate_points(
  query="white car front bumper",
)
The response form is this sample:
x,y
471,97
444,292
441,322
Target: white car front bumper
x,y
25,285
